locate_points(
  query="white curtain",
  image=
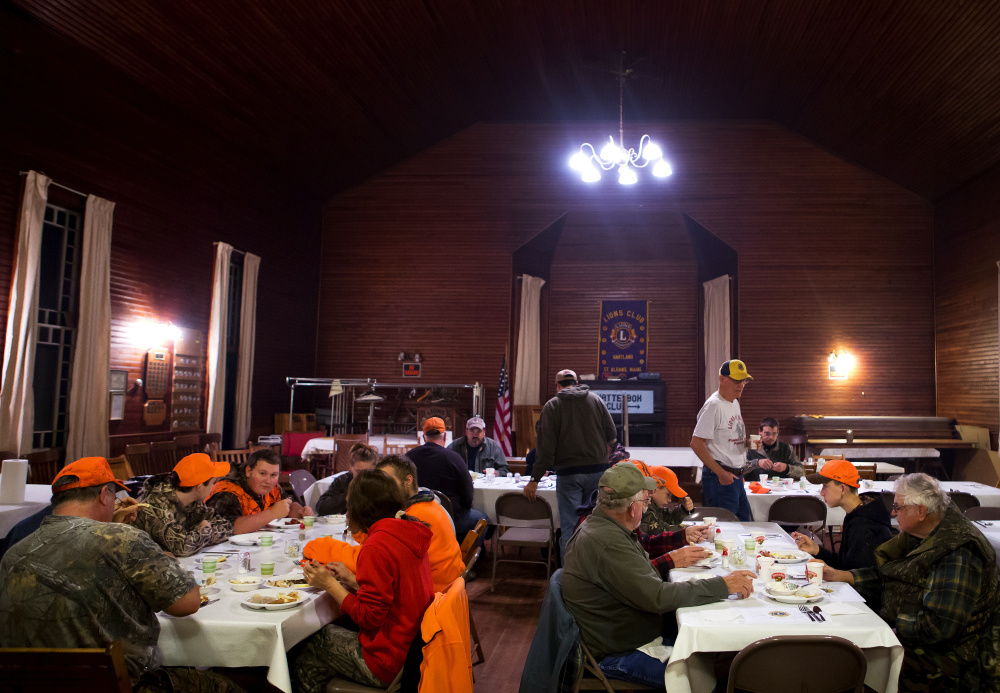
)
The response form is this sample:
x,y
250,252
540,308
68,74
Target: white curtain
x,y
17,401
998,306
217,340
87,426
529,343
716,325
248,331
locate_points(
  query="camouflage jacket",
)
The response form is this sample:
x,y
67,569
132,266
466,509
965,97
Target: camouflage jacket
x,y
941,596
656,520
77,582
176,527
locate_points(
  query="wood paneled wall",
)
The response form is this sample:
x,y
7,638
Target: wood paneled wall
x,y
831,256
966,251
176,192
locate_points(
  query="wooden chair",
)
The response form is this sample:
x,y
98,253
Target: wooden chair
x,y
44,465
188,444
471,539
162,456
30,670
470,561
866,470
209,441
395,450
235,458
343,442
844,665
121,468
138,458
445,503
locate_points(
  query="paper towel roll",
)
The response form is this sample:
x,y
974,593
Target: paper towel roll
x,y
13,476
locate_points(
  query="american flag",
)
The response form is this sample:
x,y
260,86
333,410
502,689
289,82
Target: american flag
x,y
501,423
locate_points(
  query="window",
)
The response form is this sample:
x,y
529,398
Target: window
x,y
58,285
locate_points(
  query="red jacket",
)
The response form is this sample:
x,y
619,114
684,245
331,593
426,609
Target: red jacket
x,y
394,590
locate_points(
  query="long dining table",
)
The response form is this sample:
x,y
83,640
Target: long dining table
x,y
226,633
729,626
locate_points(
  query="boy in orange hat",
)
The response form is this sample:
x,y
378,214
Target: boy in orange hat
x,y
177,518
658,516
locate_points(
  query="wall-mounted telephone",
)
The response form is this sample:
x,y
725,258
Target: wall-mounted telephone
x,y
157,373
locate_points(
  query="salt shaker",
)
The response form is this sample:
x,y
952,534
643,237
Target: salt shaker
x,y
244,562
725,559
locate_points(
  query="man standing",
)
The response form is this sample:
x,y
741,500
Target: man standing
x,y
479,451
444,470
82,580
614,592
575,438
720,442
250,498
774,457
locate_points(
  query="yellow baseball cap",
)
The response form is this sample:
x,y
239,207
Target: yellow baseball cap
x,y
735,369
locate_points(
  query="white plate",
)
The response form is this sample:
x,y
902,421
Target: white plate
x,y
230,560
303,597
795,598
293,575
331,519
708,562
800,556
249,539
284,523
246,586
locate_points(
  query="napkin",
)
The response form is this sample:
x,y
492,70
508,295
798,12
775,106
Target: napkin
x,y
755,487
721,615
657,650
693,576
12,480
839,609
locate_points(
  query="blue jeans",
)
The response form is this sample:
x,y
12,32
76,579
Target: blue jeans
x,y
732,497
635,667
465,521
572,491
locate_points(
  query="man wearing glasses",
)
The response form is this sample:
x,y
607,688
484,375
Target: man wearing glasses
x,y
720,442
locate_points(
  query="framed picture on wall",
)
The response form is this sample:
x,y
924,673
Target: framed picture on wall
x,y
118,381
117,406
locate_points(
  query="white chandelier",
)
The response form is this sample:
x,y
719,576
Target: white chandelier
x,y
589,163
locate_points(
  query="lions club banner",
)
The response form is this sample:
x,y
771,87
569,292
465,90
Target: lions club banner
x,y
624,338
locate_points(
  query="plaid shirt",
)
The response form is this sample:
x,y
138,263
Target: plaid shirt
x,y
658,547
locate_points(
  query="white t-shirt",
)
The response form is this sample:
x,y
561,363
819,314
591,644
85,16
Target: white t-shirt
x,y
721,424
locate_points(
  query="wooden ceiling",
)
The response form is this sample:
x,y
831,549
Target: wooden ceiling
x,y
334,91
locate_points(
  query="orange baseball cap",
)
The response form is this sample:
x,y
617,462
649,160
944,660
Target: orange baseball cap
x,y
90,471
836,470
434,424
664,476
198,468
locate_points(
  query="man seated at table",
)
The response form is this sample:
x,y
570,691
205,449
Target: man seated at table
x,y
444,470
658,516
444,553
334,500
774,457
614,592
176,516
867,523
936,585
250,497
83,580
477,450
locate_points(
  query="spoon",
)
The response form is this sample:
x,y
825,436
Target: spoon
x,y
819,614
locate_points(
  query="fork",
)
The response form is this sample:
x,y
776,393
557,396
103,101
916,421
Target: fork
x,y
807,611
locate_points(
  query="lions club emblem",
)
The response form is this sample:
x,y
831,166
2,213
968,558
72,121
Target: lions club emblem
x,y
623,335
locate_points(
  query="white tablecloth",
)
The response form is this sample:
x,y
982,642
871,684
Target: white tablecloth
x,y
666,457
36,496
227,634
991,530
324,446
760,503
691,665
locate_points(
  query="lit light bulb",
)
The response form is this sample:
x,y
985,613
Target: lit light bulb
x,y
651,152
662,169
626,176
591,174
610,152
578,161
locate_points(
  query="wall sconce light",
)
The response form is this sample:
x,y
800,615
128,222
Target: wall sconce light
x,y
408,356
147,334
840,363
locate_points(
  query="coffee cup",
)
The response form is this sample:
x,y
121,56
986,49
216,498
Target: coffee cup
x,y
709,521
814,572
208,566
763,478
308,520
755,442
266,539
267,568
765,565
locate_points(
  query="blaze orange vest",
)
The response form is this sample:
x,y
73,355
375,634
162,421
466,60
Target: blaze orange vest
x,y
248,504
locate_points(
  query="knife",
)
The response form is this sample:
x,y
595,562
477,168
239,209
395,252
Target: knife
x,y
210,601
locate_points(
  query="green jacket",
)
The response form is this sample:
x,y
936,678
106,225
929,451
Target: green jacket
x,y
656,520
781,452
615,594
575,430
941,596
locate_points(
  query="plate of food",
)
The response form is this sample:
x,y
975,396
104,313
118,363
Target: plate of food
x,y
782,587
249,539
284,523
708,560
809,593
274,599
222,561
293,579
785,555
245,583
332,519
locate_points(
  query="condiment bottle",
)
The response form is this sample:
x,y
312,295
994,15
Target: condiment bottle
x,y
302,532
725,559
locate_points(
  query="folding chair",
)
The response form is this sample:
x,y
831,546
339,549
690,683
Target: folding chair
x,y
964,501
300,481
523,523
982,513
756,668
723,514
794,512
